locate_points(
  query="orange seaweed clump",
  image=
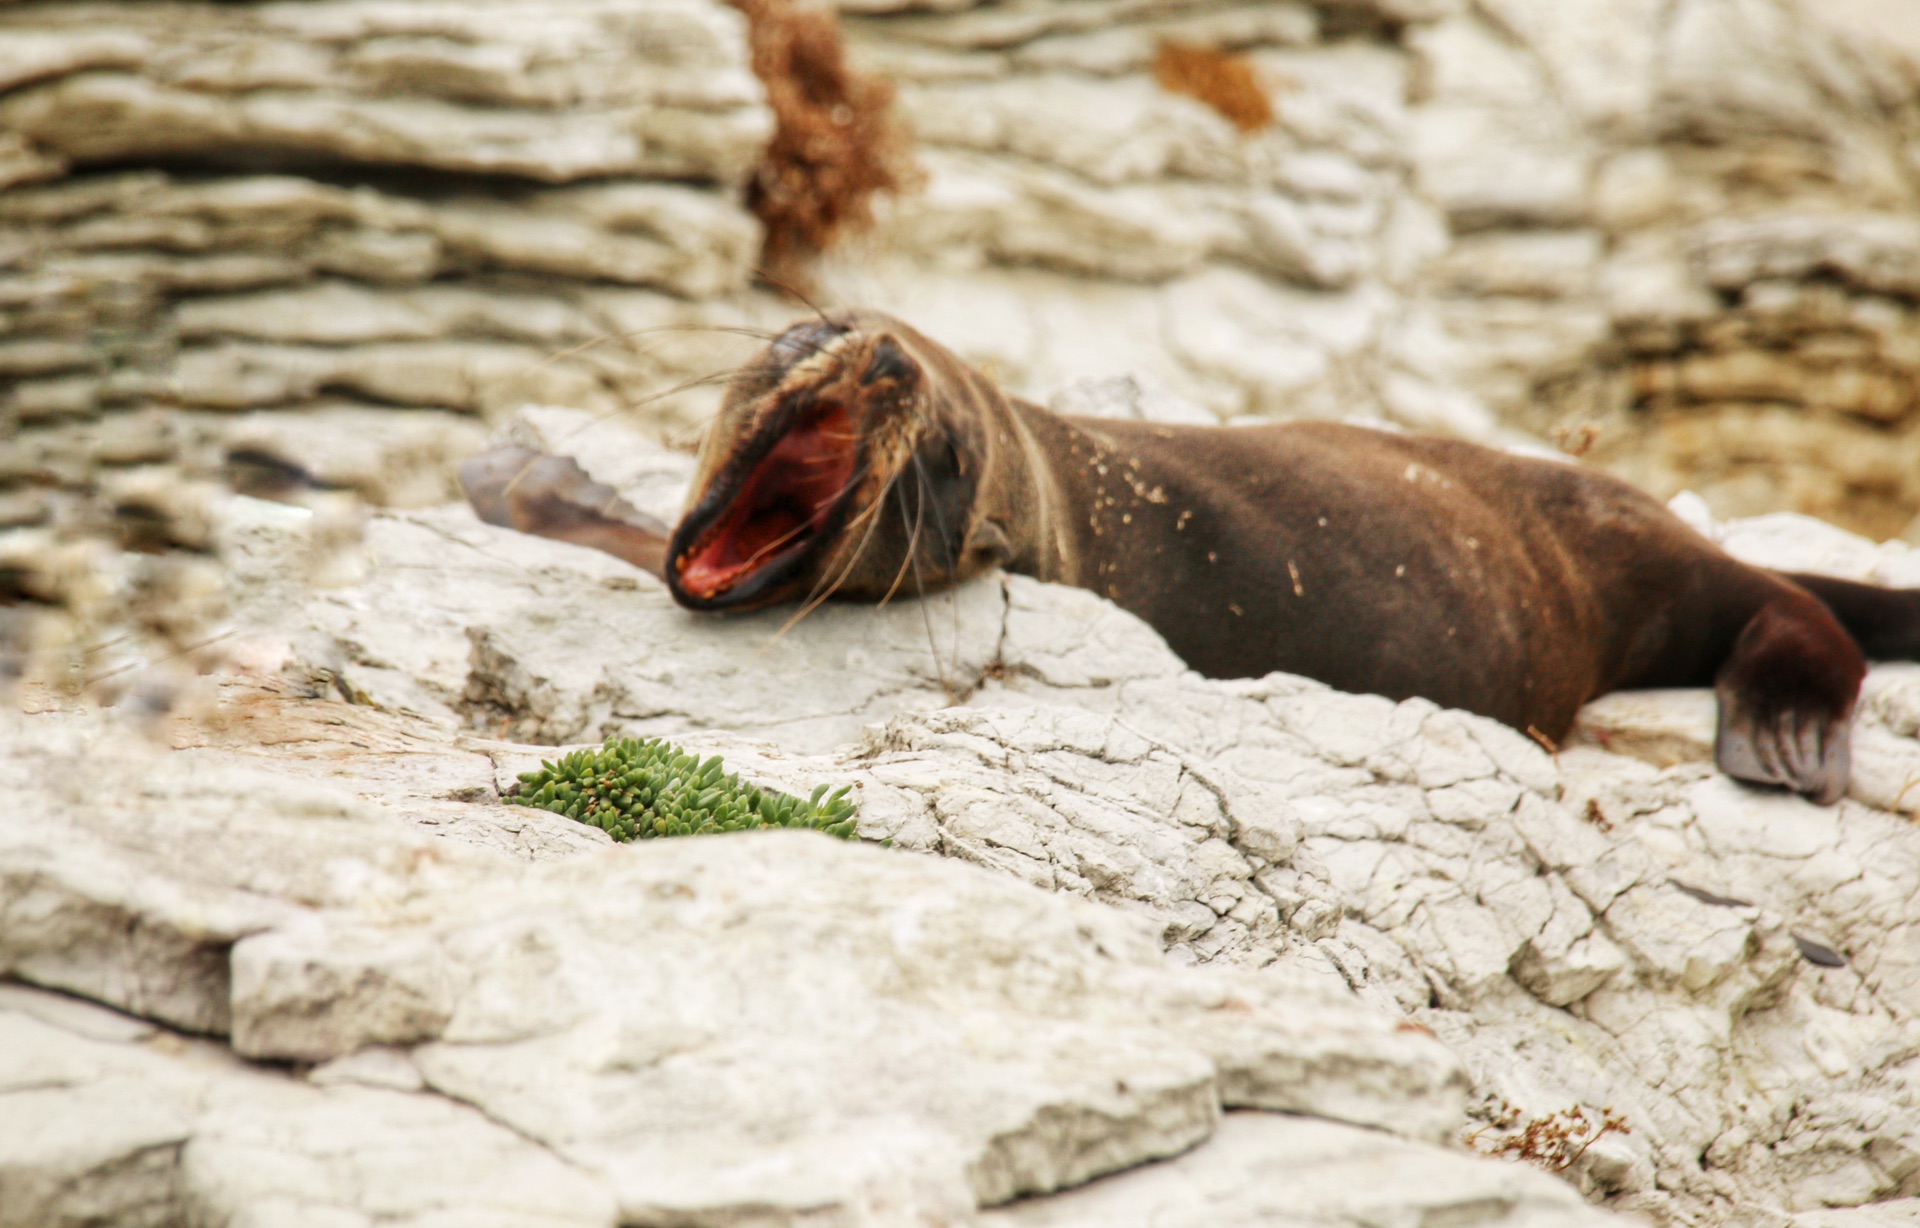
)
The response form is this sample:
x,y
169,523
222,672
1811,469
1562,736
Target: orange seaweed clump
x,y
835,141
1224,81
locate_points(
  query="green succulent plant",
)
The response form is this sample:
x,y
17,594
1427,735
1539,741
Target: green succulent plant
x,y
638,788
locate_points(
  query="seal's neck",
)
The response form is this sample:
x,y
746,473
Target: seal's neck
x,y
1043,510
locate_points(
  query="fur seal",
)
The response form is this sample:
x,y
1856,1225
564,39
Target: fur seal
x,y
854,456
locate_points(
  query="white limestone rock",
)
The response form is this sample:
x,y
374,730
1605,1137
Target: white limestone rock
x,y
1541,264
1610,931
991,1118
691,241
920,1037
1727,282
1492,150
248,849
114,1121
1894,1213
1020,213
545,157
652,478
339,312
1079,160
552,93
1437,857
594,647
1263,1169
1879,253
1694,204
474,376
1732,67
389,459
1600,56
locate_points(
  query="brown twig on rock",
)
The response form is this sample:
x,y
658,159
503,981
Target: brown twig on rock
x,y
1224,81
1554,1142
835,142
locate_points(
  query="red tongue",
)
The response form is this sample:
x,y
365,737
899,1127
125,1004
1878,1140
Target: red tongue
x,y
783,502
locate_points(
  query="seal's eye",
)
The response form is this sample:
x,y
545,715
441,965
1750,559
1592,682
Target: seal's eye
x,y
781,506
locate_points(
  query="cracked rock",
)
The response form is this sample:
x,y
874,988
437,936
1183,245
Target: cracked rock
x,y
771,1020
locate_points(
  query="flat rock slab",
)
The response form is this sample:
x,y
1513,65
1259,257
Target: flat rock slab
x,y
113,1121
560,92
1263,1169
797,1025
775,1023
779,1021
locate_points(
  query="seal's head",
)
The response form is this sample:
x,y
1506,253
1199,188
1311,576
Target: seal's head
x,y
842,462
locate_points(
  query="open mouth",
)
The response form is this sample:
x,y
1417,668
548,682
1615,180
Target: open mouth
x,y
779,510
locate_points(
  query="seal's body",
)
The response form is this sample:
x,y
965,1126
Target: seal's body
x,y
1403,565
855,457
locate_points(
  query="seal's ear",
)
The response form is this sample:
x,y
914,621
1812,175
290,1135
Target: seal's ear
x,y
988,546
888,361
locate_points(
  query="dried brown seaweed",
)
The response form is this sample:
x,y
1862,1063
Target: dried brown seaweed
x,y
835,144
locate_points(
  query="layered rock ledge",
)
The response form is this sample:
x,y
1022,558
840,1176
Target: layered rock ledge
x,y
264,247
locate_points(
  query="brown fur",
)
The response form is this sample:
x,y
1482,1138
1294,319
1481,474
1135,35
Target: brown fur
x,y
1374,561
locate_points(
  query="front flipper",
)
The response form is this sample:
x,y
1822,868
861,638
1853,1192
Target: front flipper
x,y
551,496
1786,696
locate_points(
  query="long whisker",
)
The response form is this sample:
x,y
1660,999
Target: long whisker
x,y
822,590
816,598
953,560
712,377
776,543
913,540
762,273
182,651
759,334
681,439
513,483
926,620
699,381
867,517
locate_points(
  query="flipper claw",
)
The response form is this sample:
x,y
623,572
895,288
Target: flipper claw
x,y
1786,696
